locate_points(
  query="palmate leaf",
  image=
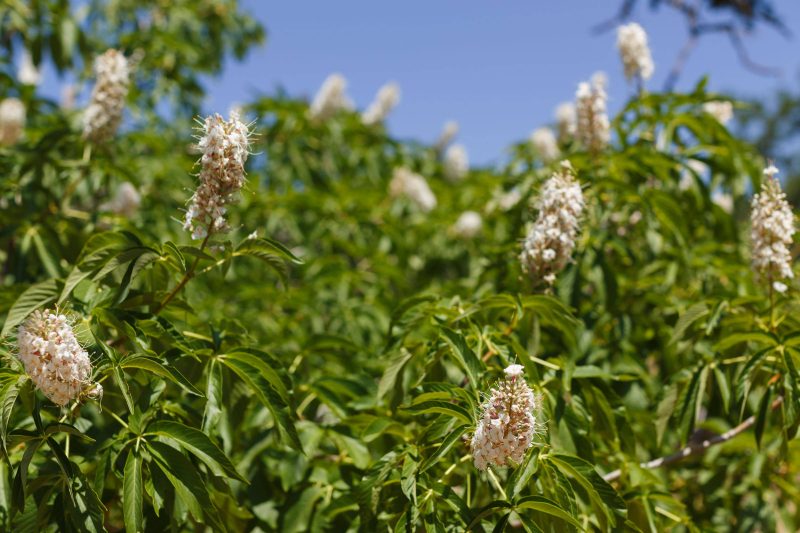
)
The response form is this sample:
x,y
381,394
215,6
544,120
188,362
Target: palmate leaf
x,y
269,394
185,479
198,444
604,498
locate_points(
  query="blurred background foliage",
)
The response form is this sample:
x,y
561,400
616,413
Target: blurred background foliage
x,y
326,361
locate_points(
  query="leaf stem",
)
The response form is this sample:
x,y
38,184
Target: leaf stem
x,y
496,482
184,280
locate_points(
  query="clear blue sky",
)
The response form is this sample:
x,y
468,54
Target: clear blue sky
x,y
498,68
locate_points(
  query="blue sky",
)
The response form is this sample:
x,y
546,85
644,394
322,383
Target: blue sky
x,y
498,68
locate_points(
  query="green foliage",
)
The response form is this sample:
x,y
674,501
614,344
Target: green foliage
x,y
327,373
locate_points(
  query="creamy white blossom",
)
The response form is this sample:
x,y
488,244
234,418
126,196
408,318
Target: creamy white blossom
x,y
544,143
593,126
331,98
468,225
126,200
507,424
408,184
449,132
104,114
772,230
720,110
548,246
55,361
566,121
634,51
387,98
27,72
456,163
503,200
12,120
224,146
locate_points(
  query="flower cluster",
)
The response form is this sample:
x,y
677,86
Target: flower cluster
x,y
387,98
456,163
12,120
27,72
634,51
126,201
104,114
412,186
508,423
468,225
720,110
55,361
544,143
224,145
330,98
449,132
772,232
566,121
548,246
593,127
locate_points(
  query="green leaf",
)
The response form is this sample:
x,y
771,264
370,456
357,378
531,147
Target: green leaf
x,y
20,484
543,505
186,481
519,478
603,496
268,395
8,397
197,443
447,444
119,379
133,493
297,519
466,357
156,367
758,337
441,407
263,245
691,315
34,297
268,367
393,372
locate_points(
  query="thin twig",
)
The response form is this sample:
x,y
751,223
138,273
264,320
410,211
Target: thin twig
x,y
679,64
186,277
697,448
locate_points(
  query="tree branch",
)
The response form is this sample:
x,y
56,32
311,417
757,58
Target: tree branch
x,y
696,449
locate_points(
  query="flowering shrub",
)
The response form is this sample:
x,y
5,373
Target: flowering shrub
x,y
368,334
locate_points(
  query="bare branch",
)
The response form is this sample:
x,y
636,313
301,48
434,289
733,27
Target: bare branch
x,y
621,16
680,63
696,448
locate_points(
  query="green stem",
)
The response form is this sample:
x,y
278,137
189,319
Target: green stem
x,y
496,482
771,305
184,280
